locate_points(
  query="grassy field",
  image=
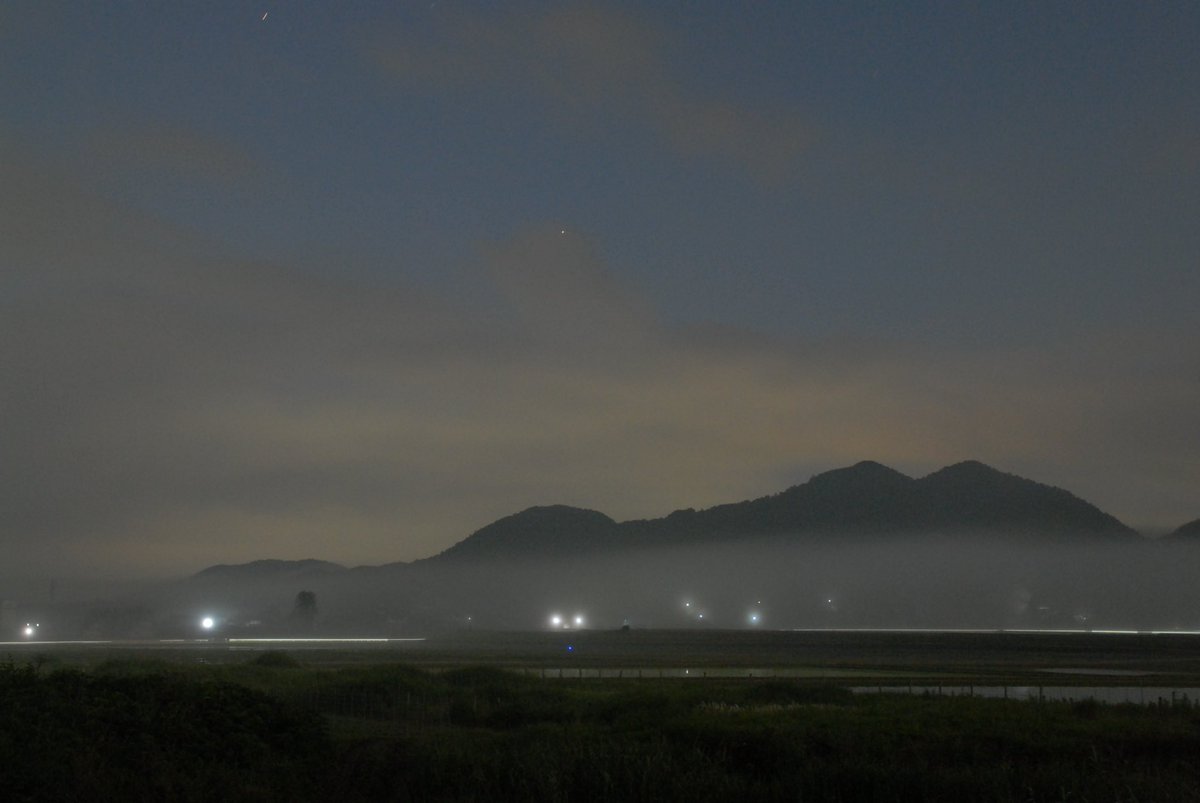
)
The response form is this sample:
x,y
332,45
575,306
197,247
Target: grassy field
x,y
218,724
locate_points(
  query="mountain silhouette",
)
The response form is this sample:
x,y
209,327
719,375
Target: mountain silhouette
x,y
866,495
975,496
553,530
866,498
269,569
1191,529
964,546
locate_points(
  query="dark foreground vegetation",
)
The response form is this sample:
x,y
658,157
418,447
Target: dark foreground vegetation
x,y
272,729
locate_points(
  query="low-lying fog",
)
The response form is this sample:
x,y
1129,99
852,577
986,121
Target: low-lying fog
x,y
926,582
906,582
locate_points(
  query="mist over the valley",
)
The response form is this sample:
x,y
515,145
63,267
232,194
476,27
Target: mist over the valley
x,y
943,581
862,547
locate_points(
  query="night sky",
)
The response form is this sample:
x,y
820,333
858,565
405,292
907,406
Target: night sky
x,y
351,280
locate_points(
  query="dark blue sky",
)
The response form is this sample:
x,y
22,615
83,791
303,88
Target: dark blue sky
x,y
391,270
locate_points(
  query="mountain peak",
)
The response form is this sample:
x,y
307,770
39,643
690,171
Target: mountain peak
x,y
863,495
269,568
870,465
972,469
973,495
863,470
556,513
867,497
539,530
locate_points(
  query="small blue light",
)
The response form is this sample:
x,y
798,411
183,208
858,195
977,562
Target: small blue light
x,y
570,648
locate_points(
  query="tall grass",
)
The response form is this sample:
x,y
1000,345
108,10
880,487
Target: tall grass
x,y
274,729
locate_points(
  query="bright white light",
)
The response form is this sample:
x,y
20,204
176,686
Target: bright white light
x,y
578,620
207,623
28,630
754,618
556,621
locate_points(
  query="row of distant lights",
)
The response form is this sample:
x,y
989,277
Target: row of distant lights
x,y
557,621
560,622
31,628
754,617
